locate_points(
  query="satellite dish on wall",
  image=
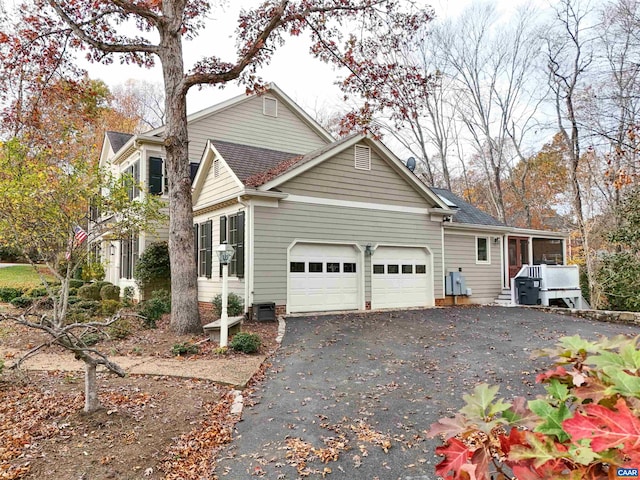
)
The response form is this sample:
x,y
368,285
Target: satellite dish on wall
x,y
411,163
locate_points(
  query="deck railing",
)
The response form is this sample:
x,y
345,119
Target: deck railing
x,y
553,277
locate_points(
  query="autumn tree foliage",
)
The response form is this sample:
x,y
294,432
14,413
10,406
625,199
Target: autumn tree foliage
x,y
49,32
586,426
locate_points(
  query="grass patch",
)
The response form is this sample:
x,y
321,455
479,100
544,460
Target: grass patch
x,y
21,276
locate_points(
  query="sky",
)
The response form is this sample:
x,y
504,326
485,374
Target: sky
x,y
308,81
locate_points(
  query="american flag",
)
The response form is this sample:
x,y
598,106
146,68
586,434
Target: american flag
x,y
79,236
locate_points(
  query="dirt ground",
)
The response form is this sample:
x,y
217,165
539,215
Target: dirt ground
x,y
150,427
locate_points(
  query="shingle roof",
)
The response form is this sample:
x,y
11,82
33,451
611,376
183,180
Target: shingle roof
x,y
118,139
246,161
465,212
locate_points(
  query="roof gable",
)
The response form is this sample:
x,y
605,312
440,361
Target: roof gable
x,y
118,139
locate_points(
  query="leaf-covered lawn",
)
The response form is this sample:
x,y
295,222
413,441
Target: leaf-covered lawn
x,y
20,276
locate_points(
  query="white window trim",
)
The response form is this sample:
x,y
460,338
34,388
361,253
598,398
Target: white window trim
x,y
488,260
359,165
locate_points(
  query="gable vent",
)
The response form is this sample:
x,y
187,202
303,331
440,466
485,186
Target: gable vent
x,y
362,157
270,106
216,168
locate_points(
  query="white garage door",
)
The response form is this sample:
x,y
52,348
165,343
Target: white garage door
x,y
401,277
323,278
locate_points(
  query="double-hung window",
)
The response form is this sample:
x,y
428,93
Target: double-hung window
x,y
204,248
482,250
133,171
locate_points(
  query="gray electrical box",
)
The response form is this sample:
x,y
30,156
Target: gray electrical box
x,y
454,284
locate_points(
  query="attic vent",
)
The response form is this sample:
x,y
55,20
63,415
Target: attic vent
x,y
216,168
362,157
270,106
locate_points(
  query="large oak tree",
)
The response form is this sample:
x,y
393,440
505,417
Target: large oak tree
x,y
49,31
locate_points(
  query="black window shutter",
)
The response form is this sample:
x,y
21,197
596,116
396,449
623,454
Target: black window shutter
x,y
155,176
193,170
240,247
209,247
223,234
195,242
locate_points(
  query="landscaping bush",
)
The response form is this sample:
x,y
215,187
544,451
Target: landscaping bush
x,y
617,276
22,301
73,283
102,283
90,291
127,296
90,307
73,299
153,271
184,349
110,292
235,305
37,292
120,329
9,293
153,309
92,269
245,342
110,307
90,339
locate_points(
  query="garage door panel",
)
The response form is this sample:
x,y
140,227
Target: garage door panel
x,y
401,278
330,287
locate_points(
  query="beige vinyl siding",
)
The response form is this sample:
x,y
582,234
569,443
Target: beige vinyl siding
x,y
483,279
277,228
245,123
160,233
208,288
338,178
215,188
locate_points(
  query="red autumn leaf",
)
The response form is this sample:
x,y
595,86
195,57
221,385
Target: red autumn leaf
x,y
516,437
456,454
559,372
607,428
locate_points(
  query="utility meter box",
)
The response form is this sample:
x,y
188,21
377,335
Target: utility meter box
x,y
454,284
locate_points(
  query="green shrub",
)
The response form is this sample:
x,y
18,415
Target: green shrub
x,y
90,339
73,299
9,293
22,302
184,349
90,307
37,292
245,342
110,292
617,276
73,283
77,316
109,307
235,305
120,329
101,284
92,269
1,366
152,271
90,291
153,309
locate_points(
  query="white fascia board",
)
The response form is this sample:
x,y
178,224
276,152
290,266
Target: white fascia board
x,y
308,119
272,88
401,169
525,232
208,156
310,164
477,227
245,193
538,233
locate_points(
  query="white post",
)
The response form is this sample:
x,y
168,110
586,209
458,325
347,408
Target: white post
x,y
224,319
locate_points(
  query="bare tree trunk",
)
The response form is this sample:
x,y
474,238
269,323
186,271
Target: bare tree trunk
x,y
185,317
91,402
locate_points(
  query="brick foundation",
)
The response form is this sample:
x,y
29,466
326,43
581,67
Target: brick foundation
x,y
367,305
205,306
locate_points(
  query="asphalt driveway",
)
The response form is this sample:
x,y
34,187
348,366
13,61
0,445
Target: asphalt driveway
x,y
359,390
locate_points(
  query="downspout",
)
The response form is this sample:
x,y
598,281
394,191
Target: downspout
x,y
248,253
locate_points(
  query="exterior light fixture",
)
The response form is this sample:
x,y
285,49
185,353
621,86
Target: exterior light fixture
x,y
225,254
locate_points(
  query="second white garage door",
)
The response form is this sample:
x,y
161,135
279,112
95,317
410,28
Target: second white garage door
x,y
401,277
323,278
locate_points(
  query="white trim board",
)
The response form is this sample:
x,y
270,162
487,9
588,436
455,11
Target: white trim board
x,y
353,204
